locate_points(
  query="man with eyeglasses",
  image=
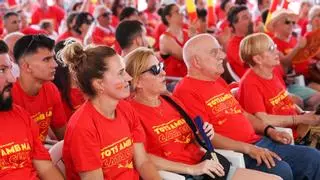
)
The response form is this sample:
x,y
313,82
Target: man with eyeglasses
x,y
281,26
22,154
103,33
34,90
11,22
203,92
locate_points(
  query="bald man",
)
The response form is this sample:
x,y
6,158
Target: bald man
x,y
11,40
205,93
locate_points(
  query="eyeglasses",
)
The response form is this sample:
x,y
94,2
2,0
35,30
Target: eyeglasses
x,y
106,14
155,69
273,48
288,22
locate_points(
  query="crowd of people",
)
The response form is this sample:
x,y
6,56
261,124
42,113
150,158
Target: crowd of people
x,y
119,87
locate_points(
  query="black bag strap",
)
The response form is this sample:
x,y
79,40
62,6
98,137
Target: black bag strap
x,y
187,119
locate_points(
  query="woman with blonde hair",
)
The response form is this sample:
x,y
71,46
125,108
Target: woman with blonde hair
x,y
170,141
262,90
104,139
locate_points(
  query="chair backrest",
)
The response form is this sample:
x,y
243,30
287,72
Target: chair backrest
x,y
232,73
56,157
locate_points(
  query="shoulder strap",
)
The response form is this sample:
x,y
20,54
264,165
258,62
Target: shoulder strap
x,y
187,118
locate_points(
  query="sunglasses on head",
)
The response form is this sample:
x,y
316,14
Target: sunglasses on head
x,y
106,14
273,47
34,38
155,69
289,22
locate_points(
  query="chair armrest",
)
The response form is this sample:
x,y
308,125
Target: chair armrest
x,y
166,175
235,158
288,130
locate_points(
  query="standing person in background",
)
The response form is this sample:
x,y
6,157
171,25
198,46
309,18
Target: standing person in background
x,y
116,9
303,16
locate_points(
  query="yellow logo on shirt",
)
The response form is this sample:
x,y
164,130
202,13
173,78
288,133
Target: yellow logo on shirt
x,y
14,155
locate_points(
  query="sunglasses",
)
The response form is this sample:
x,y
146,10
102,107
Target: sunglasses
x,y
34,38
106,14
155,69
287,22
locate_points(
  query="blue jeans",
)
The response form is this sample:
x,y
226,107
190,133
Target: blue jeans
x,y
298,162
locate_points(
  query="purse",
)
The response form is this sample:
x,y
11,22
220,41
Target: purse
x,y
208,155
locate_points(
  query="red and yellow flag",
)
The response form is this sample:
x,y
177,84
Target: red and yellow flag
x,y
273,7
192,10
285,4
211,16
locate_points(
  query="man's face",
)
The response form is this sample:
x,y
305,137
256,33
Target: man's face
x,y
12,24
6,80
244,24
104,18
284,26
40,65
211,58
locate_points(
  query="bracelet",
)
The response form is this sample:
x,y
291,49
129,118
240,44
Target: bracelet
x,y
265,132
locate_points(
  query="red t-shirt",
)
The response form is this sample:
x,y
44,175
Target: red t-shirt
x,y
92,141
265,95
169,136
67,35
31,31
303,25
103,36
77,99
283,46
213,101
54,13
46,108
174,66
19,145
114,21
233,56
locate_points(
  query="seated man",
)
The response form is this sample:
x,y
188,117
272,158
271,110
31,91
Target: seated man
x,y
204,93
22,154
262,91
34,90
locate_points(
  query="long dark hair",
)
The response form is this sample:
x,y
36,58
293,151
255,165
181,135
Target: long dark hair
x,y
62,78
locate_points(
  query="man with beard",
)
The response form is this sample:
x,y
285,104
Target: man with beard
x,y
22,154
34,90
241,23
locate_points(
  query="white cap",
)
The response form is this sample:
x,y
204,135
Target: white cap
x,y
97,11
167,2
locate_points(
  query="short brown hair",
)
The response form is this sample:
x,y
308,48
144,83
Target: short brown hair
x,y
87,64
253,45
137,62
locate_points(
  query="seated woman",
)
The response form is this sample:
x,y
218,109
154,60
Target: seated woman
x,y
170,142
104,138
172,41
72,97
262,92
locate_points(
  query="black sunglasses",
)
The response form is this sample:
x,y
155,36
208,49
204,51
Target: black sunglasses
x,y
106,14
287,22
155,69
34,38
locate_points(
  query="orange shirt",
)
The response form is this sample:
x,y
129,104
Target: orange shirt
x,y
45,108
19,145
93,141
265,95
168,134
213,101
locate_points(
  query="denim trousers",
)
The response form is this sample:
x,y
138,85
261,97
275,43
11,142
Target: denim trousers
x,y
298,162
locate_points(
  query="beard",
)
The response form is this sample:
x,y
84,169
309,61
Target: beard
x,y
6,103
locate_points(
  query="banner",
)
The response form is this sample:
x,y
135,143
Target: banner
x,y
211,15
192,10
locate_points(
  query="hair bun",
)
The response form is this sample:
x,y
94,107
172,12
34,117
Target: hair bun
x,y
73,54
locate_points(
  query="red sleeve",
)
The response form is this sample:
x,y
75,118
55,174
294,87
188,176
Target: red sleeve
x,y
60,15
136,127
192,105
85,149
59,116
38,150
252,100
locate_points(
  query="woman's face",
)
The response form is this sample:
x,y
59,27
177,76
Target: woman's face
x,y
175,16
115,82
152,80
270,58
